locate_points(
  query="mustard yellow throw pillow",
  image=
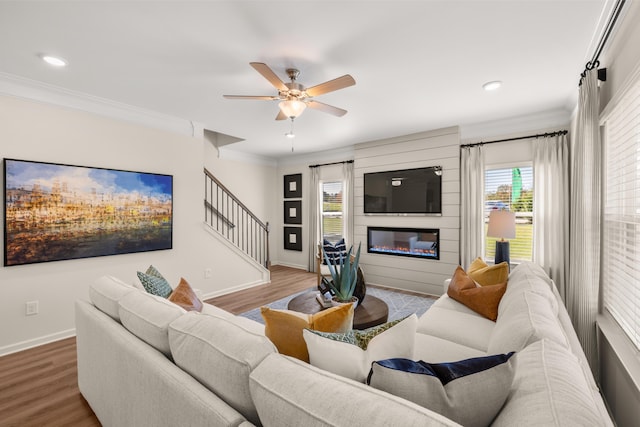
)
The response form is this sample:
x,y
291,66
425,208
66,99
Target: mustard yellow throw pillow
x,y
486,275
483,300
284,327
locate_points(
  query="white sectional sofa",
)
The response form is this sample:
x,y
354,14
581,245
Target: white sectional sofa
x,y
143,361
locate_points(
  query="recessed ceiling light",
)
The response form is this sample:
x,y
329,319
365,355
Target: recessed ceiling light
x,y
54,60
492,85
290,135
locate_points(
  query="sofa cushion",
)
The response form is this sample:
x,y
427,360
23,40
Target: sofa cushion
x,y
527,319
220,355
105,293
351,354
452,389
148,317
154,282
487,275
288,393
185,297
548,389
284,327
437,350
470,330
481,299
528,276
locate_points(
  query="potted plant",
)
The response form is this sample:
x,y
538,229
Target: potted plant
x,y
344,276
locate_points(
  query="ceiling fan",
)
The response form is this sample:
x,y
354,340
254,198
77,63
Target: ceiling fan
x,y
294,97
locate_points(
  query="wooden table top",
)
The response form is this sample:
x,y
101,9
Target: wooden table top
x,y
372,312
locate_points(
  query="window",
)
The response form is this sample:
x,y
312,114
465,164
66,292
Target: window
x,y
331,210
510,189
621,214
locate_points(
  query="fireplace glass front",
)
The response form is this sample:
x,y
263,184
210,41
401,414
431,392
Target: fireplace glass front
x,y
411,242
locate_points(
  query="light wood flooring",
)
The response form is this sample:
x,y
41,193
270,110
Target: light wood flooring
x,y
39,387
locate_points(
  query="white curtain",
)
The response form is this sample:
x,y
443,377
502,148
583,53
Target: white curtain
x,y
551,208
584,235
314,216
347,207
471,204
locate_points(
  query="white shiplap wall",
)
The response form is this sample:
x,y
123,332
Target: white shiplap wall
x,y
439,147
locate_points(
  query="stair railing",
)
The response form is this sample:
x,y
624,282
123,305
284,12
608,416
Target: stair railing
x,y
233,220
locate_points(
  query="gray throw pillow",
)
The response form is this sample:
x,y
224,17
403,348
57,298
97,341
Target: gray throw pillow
x,y
470,392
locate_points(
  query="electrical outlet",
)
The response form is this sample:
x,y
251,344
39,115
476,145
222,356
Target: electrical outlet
x,y
31,308
208,273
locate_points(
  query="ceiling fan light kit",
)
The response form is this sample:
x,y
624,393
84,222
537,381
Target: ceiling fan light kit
x,y
292,108
294,97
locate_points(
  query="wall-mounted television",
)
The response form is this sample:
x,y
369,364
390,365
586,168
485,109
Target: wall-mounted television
x,y
404,192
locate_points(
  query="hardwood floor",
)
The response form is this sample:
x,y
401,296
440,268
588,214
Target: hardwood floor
x,y
39,387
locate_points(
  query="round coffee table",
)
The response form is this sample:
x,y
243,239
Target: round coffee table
x,y
372,312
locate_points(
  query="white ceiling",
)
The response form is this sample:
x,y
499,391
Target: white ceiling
x,y
418,65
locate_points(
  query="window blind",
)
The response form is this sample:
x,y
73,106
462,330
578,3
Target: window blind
x,y
332,216
511,189
621,219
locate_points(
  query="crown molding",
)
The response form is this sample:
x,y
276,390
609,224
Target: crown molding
x,y
512,125
241,156
33,90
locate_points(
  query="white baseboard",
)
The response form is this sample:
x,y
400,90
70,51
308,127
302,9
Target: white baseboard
x,y
286,264
240,287
35,342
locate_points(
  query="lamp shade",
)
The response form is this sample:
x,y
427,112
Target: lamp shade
x,y
502,224
292,107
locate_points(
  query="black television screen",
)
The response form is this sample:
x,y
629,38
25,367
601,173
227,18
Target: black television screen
x,y
408,191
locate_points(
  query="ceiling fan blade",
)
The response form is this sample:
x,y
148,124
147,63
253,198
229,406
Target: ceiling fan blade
x,y
339,112
268,74
331,85
281,116
264,98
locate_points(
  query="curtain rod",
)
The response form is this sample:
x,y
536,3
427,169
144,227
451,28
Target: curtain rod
x,y
594,63
539,135
334,163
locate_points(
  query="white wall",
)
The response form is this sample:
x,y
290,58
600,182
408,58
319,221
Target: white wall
x,y
32,130
254,182
434,148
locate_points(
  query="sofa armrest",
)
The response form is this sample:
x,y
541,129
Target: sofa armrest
x,y
446,285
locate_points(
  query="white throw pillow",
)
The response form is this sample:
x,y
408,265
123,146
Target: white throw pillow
x,y
470,392
338,353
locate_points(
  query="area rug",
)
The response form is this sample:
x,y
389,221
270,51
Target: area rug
x,y
400,304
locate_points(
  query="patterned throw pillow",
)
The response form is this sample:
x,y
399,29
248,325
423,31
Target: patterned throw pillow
x,y
470,392
155,283
351,354
334,252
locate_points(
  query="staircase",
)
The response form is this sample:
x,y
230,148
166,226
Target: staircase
x,y
233,220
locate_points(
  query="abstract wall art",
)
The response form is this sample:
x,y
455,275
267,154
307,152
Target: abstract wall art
x,y
60,212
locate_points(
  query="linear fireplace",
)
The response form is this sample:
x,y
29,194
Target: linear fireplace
x,y
411,242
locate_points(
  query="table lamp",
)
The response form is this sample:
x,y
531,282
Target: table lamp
x,y
502,224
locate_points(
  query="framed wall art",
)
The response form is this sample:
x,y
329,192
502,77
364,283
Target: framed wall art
x,y
293,238
293,211
293,186
59,212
